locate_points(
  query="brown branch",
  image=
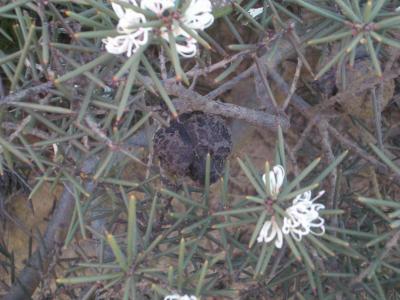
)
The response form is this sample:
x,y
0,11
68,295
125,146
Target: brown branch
x,y
192,101
28,92
294,84
330,158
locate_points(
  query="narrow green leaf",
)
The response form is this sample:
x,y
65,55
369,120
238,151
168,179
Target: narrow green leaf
x,y
253,180
307,259
31,152
120,257
281,148
248,16
335,240
206,190
374,56
330,38
288,188
128,86
385,40
183,198
267,259
379,202
195,35
228,71
348,11
388,23
320,11
233,224
159,86
76,184
84,20
21,61
329,168
181,258
42,107
343,51
127,288
86,279
385,159
96,34
86,67
261,258
150,220
367,10
260,223
239,211
78,208
376,10
320,245
132,229
103,165
8,146
293,247
173,53
12,5
379,287
200,283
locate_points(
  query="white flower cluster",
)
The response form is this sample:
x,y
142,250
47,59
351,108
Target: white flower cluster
x,y
302,217
179,297
197,16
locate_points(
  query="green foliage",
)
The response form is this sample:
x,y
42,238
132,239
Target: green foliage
x,y
66,103
362,23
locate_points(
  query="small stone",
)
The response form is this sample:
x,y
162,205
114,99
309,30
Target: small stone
x,y
183,146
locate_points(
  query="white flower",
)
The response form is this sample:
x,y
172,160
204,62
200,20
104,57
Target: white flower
x,y
132,35
303,217
269,232
276,177
254,12
178,297
197,16
185,44
157,6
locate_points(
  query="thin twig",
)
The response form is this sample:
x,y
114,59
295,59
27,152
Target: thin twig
x,y
292,158
305,134
163,69
19,128
377,95
294,84
230,84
